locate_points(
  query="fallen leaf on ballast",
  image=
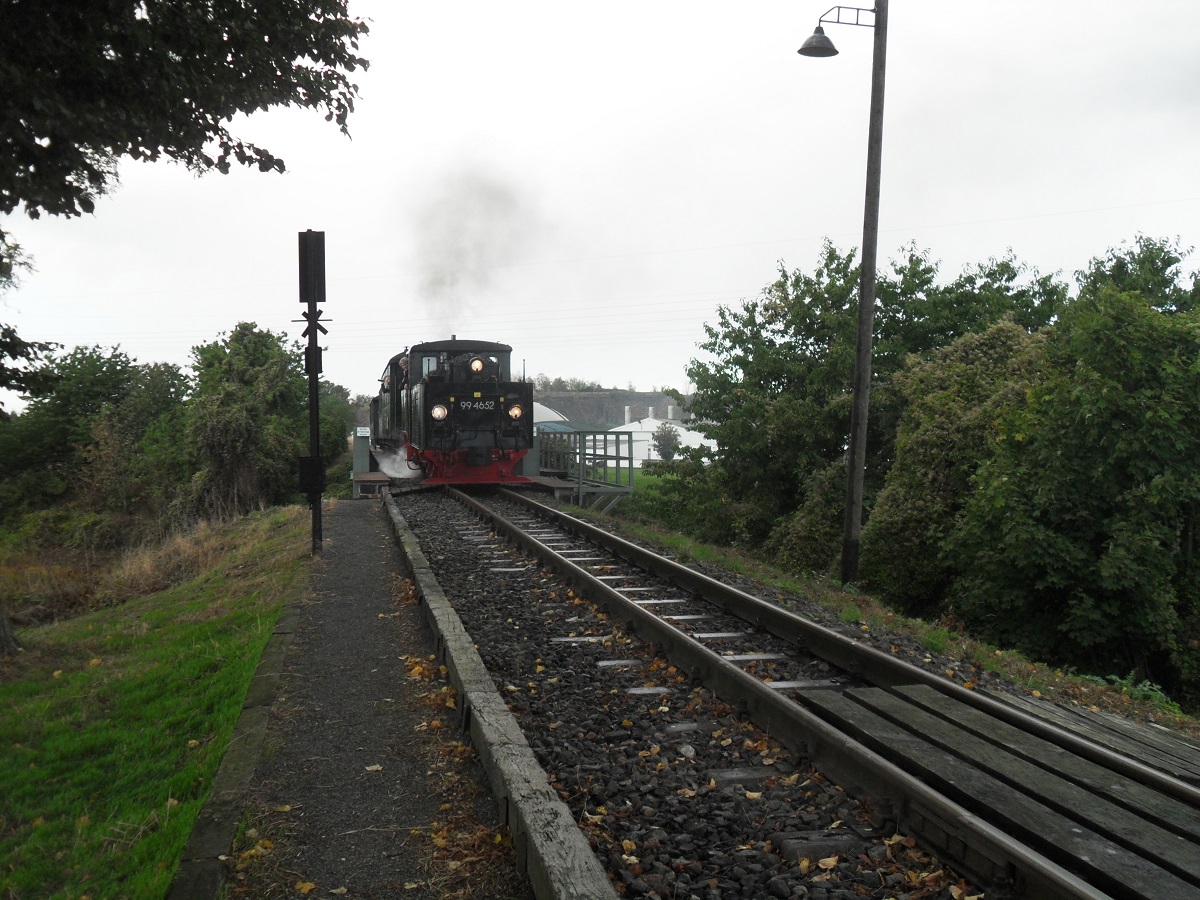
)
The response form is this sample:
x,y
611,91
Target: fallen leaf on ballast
x,y
375,768
829,862
305,887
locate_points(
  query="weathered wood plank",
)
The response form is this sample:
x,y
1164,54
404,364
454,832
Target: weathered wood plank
x,y
1176,758
1075,846
1174,815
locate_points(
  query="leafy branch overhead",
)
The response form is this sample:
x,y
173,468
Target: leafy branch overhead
x,y
86,84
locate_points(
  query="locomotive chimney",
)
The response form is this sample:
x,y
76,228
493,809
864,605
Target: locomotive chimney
x,y
628,414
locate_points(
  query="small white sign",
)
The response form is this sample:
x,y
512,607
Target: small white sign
x,y
363,431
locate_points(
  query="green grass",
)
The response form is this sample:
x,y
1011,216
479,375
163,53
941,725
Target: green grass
x,y
1141,701
113,723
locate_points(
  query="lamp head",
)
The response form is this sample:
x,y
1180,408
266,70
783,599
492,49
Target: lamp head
x,y
818,45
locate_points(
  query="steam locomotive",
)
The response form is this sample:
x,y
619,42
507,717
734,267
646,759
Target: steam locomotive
x,y
455,412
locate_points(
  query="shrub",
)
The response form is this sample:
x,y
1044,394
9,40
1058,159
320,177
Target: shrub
x,y
945,433
810,539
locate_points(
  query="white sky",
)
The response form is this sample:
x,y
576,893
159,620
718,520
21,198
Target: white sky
x,y
589,182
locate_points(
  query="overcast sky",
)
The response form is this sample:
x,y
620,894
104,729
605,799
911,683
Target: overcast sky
x,y
588,182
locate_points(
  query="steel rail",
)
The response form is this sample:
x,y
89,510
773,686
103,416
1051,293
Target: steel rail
x,y
977,846
863,660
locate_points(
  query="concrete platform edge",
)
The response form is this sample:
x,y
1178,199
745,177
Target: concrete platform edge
x,y
551,849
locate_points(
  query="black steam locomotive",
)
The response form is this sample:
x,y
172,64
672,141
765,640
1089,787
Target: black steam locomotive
x,y
453,408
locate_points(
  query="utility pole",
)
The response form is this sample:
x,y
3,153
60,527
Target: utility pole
x,y
818,45
312,292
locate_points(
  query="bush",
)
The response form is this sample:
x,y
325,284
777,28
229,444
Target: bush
x,y
810,540
1072,544
690,495
946,431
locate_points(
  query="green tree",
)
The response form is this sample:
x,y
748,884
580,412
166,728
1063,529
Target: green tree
x,y
544,383
1076,541
951,402
41,447
666,441
337,419
918,315
140,457
1153,267
774,391
249,421
20,365
88,84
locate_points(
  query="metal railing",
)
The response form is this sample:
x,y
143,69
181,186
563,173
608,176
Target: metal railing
x,y
598,463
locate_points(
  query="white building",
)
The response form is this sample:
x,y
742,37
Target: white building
x,y
643,435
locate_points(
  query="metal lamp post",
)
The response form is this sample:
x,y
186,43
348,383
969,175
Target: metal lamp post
x,y
819,45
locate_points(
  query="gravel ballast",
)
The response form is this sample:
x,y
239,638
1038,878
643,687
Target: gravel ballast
x,y
678,797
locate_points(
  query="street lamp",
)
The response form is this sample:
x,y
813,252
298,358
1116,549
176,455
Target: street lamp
x,y
819,45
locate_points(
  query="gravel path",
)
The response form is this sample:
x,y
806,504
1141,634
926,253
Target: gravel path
x,y
362,791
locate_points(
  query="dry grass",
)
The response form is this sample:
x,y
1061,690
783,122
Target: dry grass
x,y
181,557
43,586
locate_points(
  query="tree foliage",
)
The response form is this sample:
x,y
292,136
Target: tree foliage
x,y
113,452
1044,490
544,383
88,83
138,458
1075,541
20,368
666,441
39,448
774,391
338,416
946,431
1153,267
248,420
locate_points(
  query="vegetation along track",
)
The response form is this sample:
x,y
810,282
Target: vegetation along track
x,y
660,714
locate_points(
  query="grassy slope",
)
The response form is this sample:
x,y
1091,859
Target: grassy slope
x,y
113,724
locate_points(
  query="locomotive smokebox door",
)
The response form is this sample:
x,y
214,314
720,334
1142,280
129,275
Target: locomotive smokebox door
x,y
312,474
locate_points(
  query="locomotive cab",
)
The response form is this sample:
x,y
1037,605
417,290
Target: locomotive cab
x,y
456,410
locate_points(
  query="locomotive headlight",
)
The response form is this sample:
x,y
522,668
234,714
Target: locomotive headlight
x,y
439,412
476,365
515,412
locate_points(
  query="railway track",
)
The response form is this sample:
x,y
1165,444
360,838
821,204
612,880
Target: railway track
x,y
672,669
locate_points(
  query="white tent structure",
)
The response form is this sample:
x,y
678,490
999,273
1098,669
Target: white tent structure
x,y
643,437
543,413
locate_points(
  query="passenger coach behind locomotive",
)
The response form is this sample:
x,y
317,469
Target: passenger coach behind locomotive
x,y
454,408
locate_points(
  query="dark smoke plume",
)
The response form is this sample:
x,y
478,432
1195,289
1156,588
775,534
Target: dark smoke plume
x,y
471,226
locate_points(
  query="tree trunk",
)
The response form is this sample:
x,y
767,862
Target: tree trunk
x,y
8,640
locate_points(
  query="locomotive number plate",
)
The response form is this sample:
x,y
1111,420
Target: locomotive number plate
x,y
476,404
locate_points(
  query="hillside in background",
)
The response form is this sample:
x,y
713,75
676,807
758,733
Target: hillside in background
x,y
606,409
